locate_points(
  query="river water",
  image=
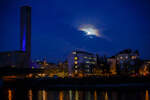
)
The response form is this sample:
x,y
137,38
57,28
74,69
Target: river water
x,y
73,94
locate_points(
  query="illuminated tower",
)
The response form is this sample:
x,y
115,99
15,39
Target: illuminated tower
x,y
25,28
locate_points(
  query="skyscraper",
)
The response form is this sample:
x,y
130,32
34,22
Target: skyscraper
x,y
25,28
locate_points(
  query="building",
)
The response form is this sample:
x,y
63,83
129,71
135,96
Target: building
x,y
144,68
13,59
25,30
127,61
112,65
81,62
21,58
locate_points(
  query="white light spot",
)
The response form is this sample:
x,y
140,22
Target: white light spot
x,y
90,30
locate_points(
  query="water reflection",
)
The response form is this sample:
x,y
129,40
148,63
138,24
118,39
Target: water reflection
x,y
95,95
106,96
70,94
42,95
61,95
146,95
9,94
31,94
76,95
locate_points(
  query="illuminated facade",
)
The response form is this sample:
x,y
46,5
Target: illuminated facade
x,y
126,60
112,65
145,68
79,61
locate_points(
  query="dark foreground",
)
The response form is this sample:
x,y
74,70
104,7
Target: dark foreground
x,y
76,89
82,83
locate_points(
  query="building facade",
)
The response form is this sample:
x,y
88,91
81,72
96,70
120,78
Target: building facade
x,y
127,61
13,59
81,62
20,58
112,65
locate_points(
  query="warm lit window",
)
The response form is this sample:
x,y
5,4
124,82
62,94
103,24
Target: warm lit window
x,y
75,62
76,71
75,58
121,57
133,57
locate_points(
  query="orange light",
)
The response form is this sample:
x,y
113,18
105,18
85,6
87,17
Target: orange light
x,y
95,95
75,62
30,94
9,94
146,95
61,95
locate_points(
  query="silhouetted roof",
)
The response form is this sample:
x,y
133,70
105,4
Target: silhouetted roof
x,y
128,51
6,52
83,52
125,51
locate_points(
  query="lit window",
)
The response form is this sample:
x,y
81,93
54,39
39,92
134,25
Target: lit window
x,y
74,53
133,57
76,71
85,57
75,58
76,66
87,62
13,66
32,67
93,62
75,62
94,58
121,57
90,58
117,58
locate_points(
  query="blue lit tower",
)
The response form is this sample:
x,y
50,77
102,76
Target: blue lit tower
x,y
25,28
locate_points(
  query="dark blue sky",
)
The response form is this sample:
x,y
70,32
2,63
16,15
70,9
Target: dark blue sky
x,y
55,26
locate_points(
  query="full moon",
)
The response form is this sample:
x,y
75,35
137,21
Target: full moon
x,y
90,30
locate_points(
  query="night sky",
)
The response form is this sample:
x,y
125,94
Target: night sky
x,y
55,26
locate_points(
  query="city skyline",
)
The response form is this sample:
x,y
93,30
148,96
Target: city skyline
x,y
55,31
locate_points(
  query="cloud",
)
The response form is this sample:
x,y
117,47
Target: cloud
x,y
90,30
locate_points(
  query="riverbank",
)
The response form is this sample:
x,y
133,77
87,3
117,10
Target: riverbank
x,y
79,83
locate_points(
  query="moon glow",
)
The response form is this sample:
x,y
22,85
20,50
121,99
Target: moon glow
x,y
90,30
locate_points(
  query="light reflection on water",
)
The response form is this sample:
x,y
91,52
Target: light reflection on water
x,y
31,94
9,94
